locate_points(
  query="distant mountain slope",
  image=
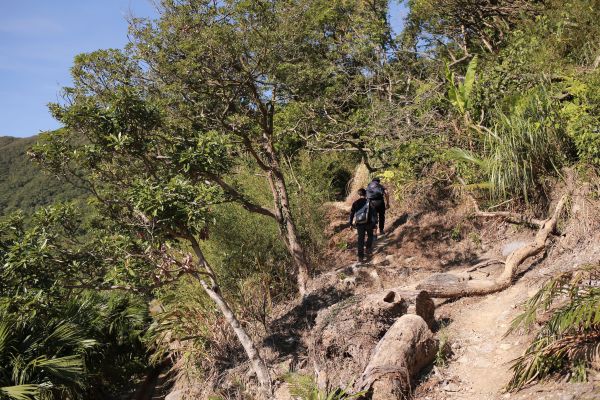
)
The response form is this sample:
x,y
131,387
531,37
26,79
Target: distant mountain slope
x,y
22,184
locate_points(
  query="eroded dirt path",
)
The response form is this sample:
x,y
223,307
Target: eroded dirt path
x,y
479,367
428,239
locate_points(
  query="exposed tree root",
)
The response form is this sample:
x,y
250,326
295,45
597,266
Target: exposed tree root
x,y
484,264
450,286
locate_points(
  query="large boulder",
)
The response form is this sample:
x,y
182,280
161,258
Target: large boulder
x,y
346,333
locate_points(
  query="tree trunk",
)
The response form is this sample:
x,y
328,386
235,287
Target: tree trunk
x,y
286,222
404,350
269,162
212,289
419,302
450,286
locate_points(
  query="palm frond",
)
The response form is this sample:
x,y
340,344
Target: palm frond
x,y
20,392
65,369
5,329
569,339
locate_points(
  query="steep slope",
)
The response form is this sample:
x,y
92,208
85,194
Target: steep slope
x,y
331,336
22,184
438,233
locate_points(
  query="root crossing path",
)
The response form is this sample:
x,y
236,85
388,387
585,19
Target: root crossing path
x,y
479,367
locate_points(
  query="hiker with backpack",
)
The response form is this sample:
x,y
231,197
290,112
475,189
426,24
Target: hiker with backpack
x,y
379,200
362,218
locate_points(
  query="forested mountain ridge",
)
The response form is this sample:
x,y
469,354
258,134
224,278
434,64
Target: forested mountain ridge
x,y
225,146
23,185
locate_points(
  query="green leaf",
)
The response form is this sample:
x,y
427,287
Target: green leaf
x,y
469,82
21,392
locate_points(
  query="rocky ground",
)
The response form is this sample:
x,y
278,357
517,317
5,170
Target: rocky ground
x,y
349,319
441,235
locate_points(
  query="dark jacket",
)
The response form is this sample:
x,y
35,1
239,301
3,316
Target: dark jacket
x,y
357,205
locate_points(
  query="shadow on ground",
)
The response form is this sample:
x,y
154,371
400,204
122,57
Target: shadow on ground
x,y
287,331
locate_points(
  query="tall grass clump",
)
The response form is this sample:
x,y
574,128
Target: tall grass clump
x,y
568,341
525,145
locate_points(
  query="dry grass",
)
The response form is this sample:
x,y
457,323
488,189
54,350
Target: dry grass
x,y
360,180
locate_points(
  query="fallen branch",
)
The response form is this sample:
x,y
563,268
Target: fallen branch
x,y
484,264
450,286
513,217
404,350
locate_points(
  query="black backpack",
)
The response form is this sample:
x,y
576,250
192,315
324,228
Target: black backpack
x,y
375,191
363,214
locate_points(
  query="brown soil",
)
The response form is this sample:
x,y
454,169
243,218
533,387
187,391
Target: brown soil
x,y
438,233
433,232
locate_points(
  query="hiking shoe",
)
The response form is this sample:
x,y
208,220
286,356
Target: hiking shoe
x,y
381,232
360,259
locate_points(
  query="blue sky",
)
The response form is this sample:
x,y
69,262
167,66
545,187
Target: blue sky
x,y
38,40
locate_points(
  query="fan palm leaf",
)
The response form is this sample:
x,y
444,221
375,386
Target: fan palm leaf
x,y
20,392
569,339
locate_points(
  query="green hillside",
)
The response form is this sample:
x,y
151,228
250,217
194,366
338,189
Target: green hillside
x,y
22,184
222,253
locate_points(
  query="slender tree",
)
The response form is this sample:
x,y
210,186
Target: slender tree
x,y
258,73
156,131
152,213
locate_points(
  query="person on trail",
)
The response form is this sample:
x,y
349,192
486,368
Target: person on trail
x,y
364,224
379,200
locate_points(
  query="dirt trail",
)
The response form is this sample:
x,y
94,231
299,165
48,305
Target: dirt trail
x,y
480,365
438,234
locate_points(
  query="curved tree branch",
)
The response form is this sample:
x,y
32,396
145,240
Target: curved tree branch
x,y
234,194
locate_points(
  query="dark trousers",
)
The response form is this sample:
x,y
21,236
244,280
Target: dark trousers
x,y
378,206
363,229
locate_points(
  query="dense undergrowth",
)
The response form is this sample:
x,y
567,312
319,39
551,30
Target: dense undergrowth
x,y
23,185
299,92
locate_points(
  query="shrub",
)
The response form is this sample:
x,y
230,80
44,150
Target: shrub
x,y
410,162
580,114
524,146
